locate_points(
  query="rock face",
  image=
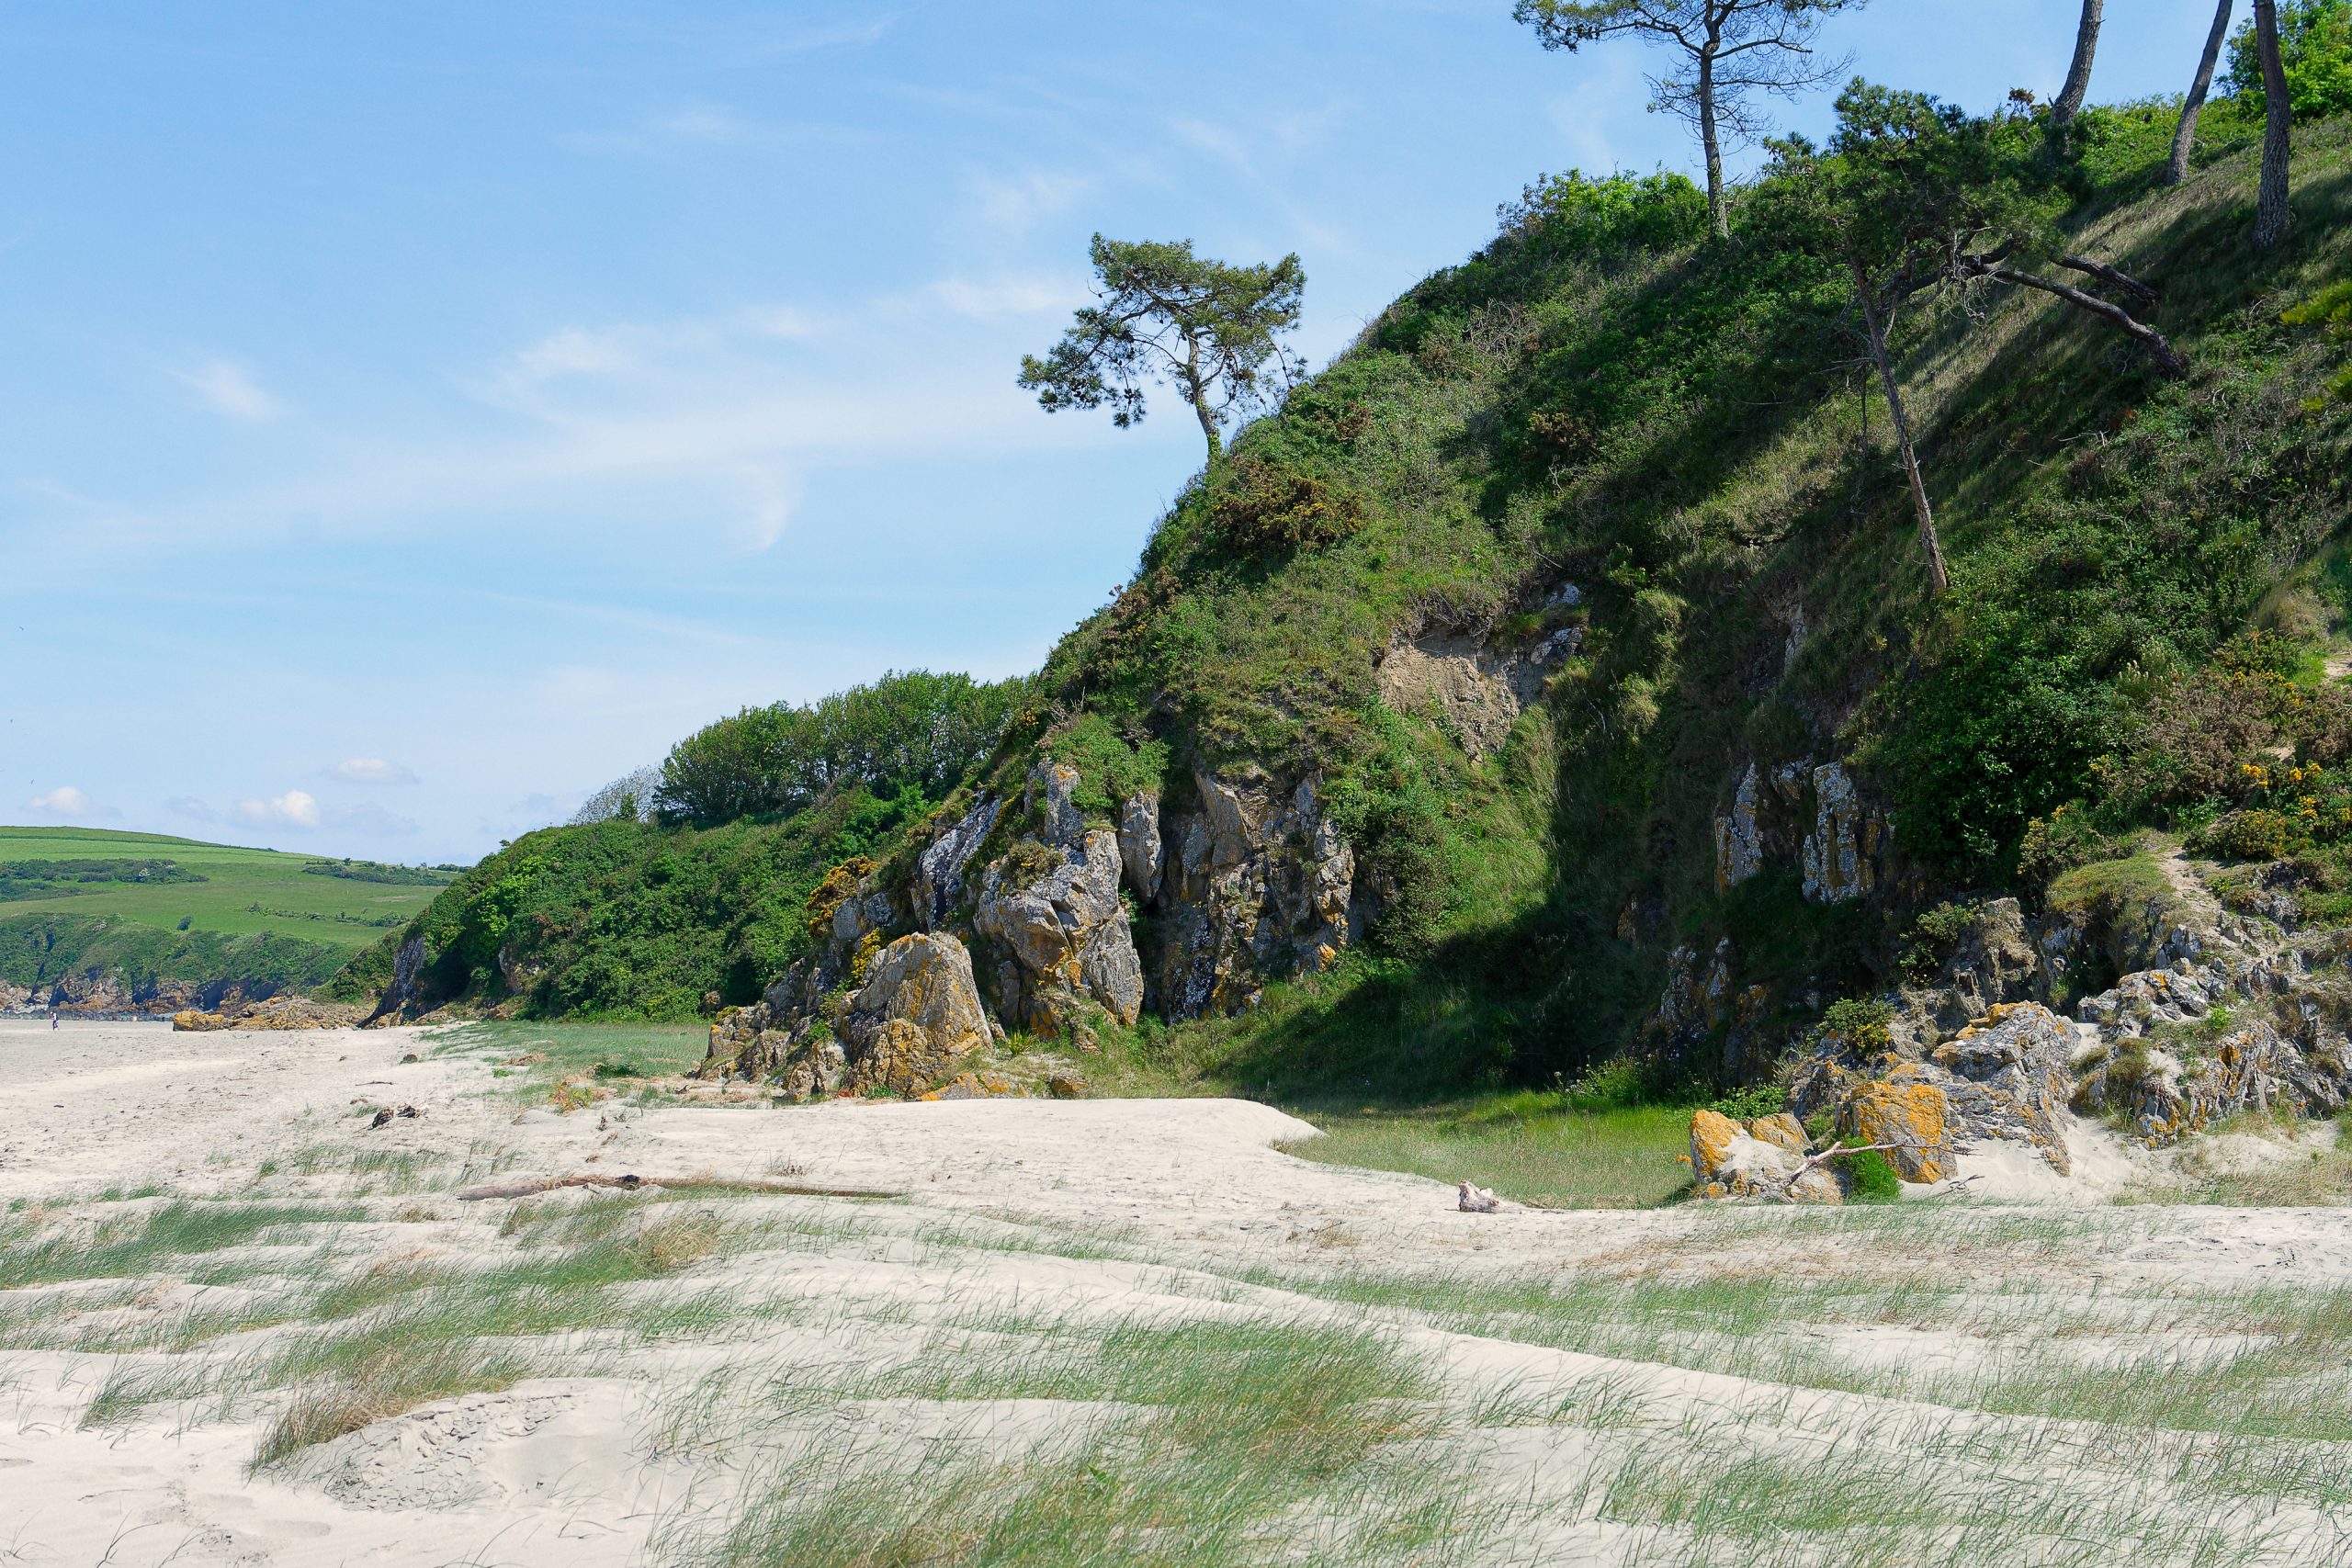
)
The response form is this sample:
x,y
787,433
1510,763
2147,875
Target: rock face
x,y
909,1024
1260,885
939,872
1905,1109
2005,1076
1841,852
1474,690
1251,879
1056,916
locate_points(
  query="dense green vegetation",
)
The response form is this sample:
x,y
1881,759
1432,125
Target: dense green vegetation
x,y
915,732
2146,577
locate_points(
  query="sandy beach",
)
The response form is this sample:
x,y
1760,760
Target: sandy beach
x,y
1095,1210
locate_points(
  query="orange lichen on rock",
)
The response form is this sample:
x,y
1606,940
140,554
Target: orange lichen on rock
x,y
1908,1113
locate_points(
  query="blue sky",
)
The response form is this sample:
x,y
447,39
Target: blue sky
x,y
414,414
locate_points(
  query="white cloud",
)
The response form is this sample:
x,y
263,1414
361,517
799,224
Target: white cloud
x,y
195,810
370,771
294,808
229,388
70,804
1015,294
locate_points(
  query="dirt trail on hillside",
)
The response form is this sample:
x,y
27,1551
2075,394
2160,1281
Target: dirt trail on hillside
x,y
1086,1211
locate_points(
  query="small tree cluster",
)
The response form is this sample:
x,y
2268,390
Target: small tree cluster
x,y
915,731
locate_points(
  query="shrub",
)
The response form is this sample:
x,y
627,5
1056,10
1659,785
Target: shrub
x,y
1860,1023
2245,835
1869,1177
1755,1101
2058,842
1265,510
1933,936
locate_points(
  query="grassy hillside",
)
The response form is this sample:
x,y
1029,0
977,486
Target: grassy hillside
x,y
1607,398
341,904
148,907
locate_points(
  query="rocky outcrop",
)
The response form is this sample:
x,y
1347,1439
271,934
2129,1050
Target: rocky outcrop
x,y
939,871
909,1022
407,985
1761,825
1051,911
1471,690
2174,1051
273,1012
1139,847
1763,1158
1841,853
2006,1076
1260,885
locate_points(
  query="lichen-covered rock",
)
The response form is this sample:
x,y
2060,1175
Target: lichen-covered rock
x,y
2010,1075
1259,884
1064,1086
918,1012
1728,1160
939,871
1052,907
976,1086
1906,1111
271,1012
1781,1129
1739,837
914,1016
1841,852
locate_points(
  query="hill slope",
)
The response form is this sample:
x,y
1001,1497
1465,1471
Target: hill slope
x,y
102,921
1555,676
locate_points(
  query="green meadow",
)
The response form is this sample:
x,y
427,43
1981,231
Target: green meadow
x,y
209,887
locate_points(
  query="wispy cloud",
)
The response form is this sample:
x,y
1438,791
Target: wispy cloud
x,y
369,771
228,389
1014,203
195,810
70,804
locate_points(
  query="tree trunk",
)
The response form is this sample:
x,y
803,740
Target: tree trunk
x,y
2270,207
2167,358
1938,579
2069,101
1196,393
1718,209
2185,135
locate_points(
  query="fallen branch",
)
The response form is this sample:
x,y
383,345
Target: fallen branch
x,y
2112,277
632,1183
2168,360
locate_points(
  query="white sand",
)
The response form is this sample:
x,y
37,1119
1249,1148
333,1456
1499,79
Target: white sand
x,y
1184,1192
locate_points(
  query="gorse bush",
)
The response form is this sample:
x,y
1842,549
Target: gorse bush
x,y
913,731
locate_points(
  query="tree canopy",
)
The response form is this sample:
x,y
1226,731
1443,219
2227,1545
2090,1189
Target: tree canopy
x,y
1210,330
913,731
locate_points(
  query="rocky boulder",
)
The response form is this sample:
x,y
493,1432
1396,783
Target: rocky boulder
x,y
1757,1159
913,1017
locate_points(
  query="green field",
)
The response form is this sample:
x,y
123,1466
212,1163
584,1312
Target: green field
x,y
243,892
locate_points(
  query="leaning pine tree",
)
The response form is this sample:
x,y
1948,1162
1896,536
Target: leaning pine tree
x,y
1211,331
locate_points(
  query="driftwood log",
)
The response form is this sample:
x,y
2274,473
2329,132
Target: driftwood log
x,y
632,1183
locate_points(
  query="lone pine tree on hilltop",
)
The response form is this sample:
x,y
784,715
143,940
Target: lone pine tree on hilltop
x,y
1731,49
1208,328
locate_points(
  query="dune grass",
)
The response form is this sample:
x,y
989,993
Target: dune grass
x,y
1528,1146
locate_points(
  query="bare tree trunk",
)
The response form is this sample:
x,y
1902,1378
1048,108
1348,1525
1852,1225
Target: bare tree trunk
x,y
2167,359
2069,101
2185,136
2270,207
1718,209
1938,579
1197,394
